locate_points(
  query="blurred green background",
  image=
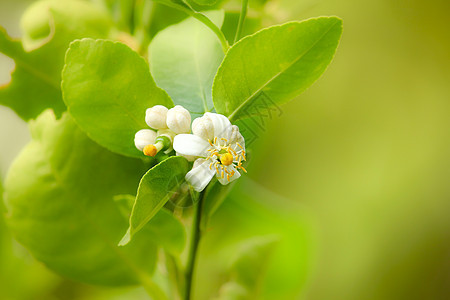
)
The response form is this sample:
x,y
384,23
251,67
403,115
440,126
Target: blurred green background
x,y
366,151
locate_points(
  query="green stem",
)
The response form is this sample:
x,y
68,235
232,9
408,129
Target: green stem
x,y
241,20
195,239
202,18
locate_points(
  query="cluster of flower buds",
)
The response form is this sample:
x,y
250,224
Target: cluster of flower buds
x,y
166,124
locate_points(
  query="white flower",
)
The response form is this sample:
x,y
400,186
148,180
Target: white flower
x,y
220,149
179,120
155,117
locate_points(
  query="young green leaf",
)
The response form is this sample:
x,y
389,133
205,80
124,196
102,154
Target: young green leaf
x,y
163,229
205,2
184,59
216,193
274,65
249,269
155,189
49,27
251,210
250,265
107,88
59,194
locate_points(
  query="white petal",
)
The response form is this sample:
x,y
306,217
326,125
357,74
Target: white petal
x,y
224,180
236,137
198,162
143,138
222,126
189,144
200,176
188,157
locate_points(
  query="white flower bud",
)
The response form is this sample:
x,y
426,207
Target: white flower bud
x,y
143,138
179,120
203,127
155,117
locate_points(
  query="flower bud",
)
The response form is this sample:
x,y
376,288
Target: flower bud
x,y
179,120
143,138
203,127
155,117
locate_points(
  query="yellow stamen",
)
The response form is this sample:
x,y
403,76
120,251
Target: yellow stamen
x,y
239,146
209,141
217,169
228,177
150,150
226,159
243,155
243,169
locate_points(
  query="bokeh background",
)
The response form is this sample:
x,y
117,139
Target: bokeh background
x,y
366,151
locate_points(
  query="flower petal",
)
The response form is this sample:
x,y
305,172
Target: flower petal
x,y
236,138
189,144
222,126
224,181
200,176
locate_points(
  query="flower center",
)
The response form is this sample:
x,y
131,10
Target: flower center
x,y
222,155
226,159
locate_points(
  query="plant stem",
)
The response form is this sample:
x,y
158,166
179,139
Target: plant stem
x,y
241,20
195,239
204,19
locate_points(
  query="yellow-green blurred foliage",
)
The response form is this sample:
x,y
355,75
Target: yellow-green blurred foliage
x,y
366,150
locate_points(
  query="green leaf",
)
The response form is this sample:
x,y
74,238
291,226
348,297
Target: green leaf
x,y
49,27
251,263
164,229
184,59
274,65
251,210
249,268
216,193
157,186
205,2
107,88
175,4
59,193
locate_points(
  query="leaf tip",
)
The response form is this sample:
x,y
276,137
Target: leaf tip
x,y
126,238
